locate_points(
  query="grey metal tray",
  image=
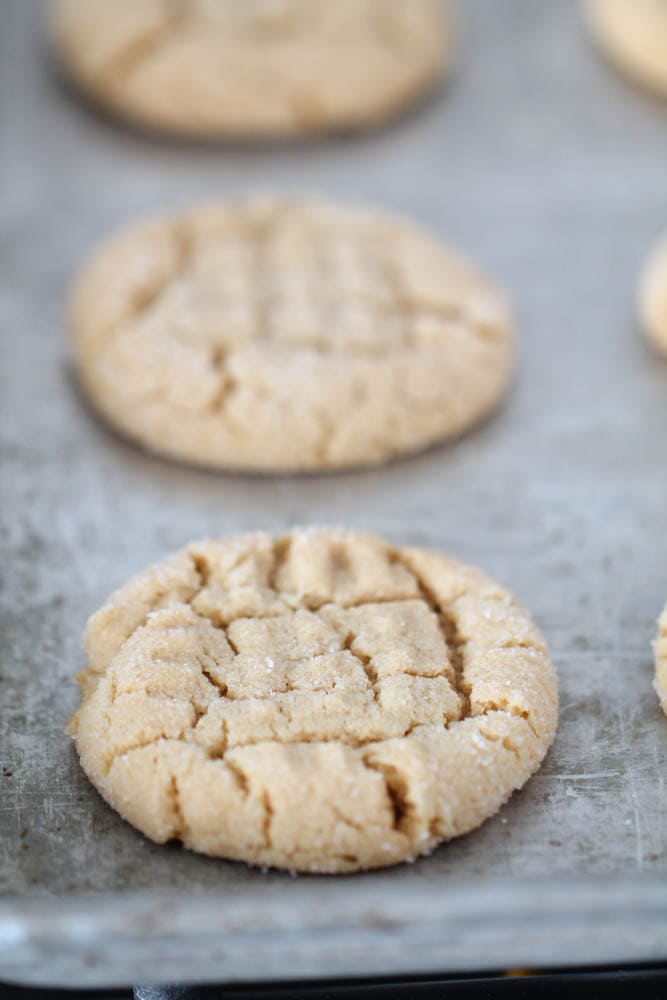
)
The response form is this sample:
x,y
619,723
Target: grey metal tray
x,y
552,172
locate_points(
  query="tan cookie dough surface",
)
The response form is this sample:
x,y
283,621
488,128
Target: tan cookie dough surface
x,y
290,335
253,68
633,34
320,701
653,298
660,648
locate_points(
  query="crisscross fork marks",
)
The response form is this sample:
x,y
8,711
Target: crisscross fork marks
x,y
290,724
281,555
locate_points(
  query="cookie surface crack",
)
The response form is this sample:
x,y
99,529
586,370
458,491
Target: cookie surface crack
x,y
239,776
220,685
269,813
281,552
456,645
147,297
138,745
227,383
346,820
134,53
447,623
179,820
365,660
505,741
504,707
397,792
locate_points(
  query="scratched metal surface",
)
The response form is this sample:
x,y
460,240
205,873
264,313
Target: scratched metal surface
x,y
550,171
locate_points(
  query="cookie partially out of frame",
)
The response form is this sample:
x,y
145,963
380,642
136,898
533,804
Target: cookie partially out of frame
x,y
253,68
660,649
321,701
287,335
653,298
633,34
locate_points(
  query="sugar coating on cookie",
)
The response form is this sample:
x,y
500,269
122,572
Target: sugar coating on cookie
x,y
273,334
320,701
255,68
653,298
660,649
633,34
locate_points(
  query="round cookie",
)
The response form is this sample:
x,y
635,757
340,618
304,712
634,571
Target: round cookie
x,y
287,335
256,68
653,298
660,649
320,701
633,34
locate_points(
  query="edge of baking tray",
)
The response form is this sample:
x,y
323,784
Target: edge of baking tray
x,y
345,929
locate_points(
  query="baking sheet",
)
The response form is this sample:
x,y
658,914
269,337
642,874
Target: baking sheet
x,y
551,172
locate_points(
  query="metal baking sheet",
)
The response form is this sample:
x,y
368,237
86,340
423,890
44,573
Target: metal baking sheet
x,y
549,170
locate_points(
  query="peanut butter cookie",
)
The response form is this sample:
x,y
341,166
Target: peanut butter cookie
x,y
633,34
321,701
287,335
653,298
660,648
253,68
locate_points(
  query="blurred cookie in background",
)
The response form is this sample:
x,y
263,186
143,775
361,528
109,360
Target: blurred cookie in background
x,y
653,297
253,68
633,34
281,334
660,650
